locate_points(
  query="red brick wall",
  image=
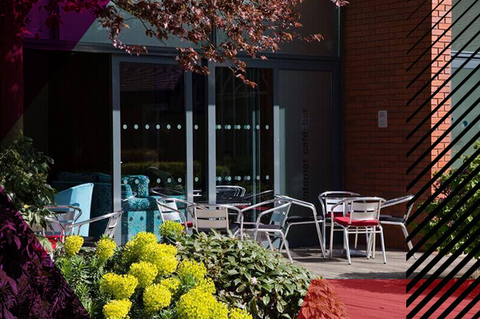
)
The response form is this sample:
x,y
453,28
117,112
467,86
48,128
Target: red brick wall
x,y
375,77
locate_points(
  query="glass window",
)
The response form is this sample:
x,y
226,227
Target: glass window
x,y
244,126
200,138
68,115
153,125
316,17
468,120
460,8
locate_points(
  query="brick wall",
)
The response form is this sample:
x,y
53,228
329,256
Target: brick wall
x,y
376,78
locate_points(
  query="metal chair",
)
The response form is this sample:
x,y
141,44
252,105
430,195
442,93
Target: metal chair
x,y
398,221
328,200
169,209
361,214
208,217
68,229
278,212
229,191
297,220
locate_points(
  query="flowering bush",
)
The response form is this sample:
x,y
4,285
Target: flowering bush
x,y
171,230
73,244
105,249
117,309
145,273
143,280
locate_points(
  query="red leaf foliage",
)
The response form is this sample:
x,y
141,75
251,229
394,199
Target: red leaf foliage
x,y
321,302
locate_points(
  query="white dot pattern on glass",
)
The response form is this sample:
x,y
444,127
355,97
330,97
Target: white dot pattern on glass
x,y
219,127
135,126
159,180
169,180
157,126
125,126
179,127
137,181
179,180
169,126
196,179
257,127
147,126
196,127
219,179
267,177
258,178
267,127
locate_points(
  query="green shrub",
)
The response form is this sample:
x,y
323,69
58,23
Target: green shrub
x,y
249,276
448,222
23,176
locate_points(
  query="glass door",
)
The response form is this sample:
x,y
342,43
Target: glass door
x,y
153,131
244,132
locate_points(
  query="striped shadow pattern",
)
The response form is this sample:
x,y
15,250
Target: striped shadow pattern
x,y
426,297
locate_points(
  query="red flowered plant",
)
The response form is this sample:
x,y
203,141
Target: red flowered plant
x,y
321,302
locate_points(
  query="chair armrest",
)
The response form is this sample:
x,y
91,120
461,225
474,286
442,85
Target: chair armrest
x,y
92,220
66,208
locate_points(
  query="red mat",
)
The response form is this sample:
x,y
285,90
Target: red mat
x,y
388,298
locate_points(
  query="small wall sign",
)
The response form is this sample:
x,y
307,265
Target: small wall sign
x,y
382,119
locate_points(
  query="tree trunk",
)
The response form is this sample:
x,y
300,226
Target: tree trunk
x,y
11,79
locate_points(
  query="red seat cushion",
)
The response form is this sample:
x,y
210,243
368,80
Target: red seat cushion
x,y
189,224
345,221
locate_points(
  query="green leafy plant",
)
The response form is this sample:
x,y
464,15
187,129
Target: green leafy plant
x,y
451,212
249,276
23,176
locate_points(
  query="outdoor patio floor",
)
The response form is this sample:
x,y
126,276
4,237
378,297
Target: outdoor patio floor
x,y
363,268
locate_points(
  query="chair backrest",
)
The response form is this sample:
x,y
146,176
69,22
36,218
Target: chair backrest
x,y
401,200
231,191
113,223
329,199
169,210
280,211
211,217
79,196
365,208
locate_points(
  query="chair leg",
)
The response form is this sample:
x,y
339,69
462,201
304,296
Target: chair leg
x,y
324,225
383,244
347,246
270,243
368,238
331,239
320,236
374,242
286,247
409,243
356,238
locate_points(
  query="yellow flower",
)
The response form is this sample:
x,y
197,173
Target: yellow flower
x,y
192,268
196,304
168,249
105,249
156,297
172,283
206,285
161,256
117,309
73,245
220,311
171,228
120,286
238,313
145,272
136,244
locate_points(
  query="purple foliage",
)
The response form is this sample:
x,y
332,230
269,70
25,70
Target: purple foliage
x,y
30,284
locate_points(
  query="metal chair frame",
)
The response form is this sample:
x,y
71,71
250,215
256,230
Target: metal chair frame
x,y
360,209
327,201
402,224
315,220
239,190
282,206
113,222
